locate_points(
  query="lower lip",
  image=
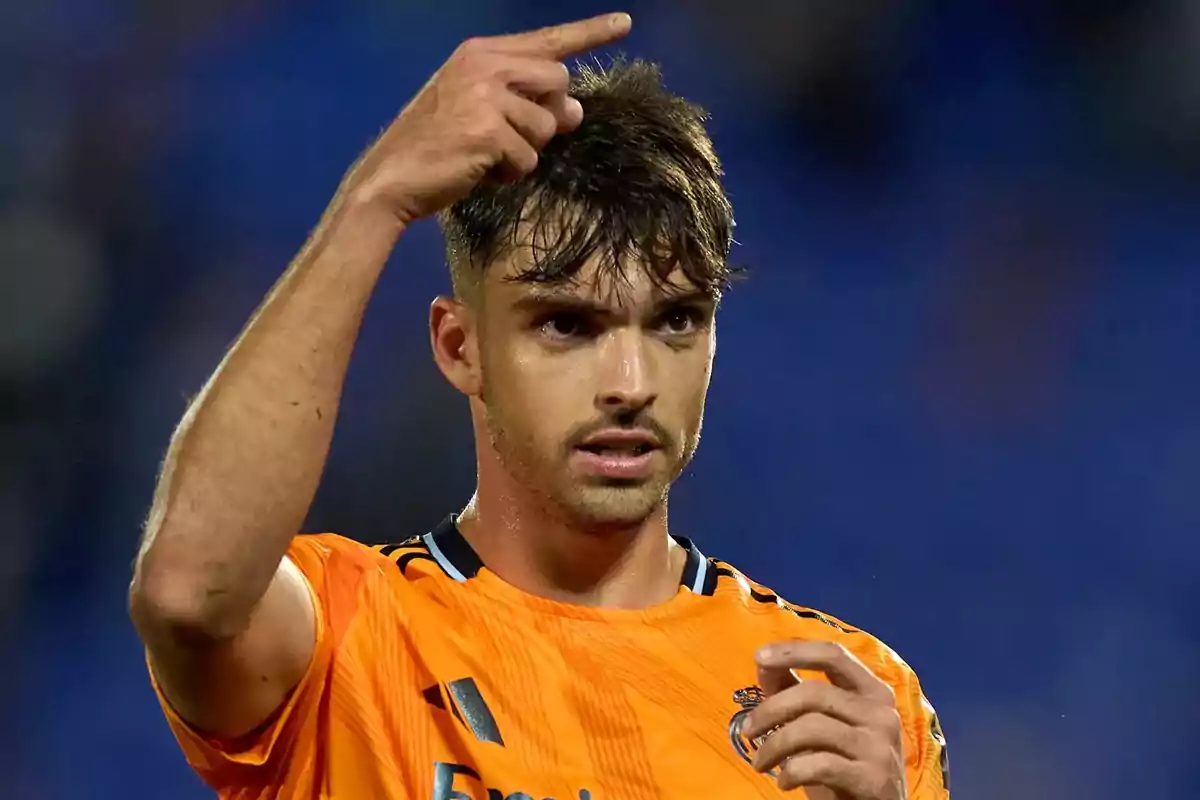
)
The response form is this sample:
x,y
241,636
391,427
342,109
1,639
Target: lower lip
x,y
616,465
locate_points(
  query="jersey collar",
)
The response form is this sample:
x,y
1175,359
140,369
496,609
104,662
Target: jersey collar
x,y
459,560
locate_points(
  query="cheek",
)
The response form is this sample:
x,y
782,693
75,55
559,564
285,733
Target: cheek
x,y
689,379
529,392
689,391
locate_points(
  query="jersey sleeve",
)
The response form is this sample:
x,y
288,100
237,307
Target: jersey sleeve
x,y
334,570
929,771
927,765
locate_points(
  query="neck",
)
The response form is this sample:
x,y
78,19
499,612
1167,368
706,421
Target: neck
x,y
634,566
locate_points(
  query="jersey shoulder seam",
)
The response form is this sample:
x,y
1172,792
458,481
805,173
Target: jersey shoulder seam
x,y
729,574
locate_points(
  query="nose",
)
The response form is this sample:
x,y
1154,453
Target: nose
x,y
626,373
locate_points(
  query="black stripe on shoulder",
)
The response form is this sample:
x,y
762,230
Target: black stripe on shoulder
x,y
770,598
388,549
808,613
408,558
404,553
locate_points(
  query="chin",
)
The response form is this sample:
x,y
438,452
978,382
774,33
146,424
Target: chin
x,y
614,506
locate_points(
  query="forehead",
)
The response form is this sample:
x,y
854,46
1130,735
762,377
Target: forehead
x,y
626,285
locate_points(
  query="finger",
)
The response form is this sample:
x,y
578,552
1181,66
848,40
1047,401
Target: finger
x,y
774,680
561,41
841,667
530,76
518,156
810,697
566,110
811,732
826,769
546,83
535,124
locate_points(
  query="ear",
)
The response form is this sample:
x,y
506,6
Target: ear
x,y
453,338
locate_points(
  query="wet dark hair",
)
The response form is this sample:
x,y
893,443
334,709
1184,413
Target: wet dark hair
x,y
638,180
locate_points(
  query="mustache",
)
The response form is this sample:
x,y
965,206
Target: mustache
x,y
640,422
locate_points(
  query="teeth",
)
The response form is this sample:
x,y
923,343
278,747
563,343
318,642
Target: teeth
x,y
635,450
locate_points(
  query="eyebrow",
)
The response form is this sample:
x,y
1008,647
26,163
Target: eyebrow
x,y
542,299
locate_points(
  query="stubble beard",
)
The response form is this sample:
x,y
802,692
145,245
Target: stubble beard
x,y
590,504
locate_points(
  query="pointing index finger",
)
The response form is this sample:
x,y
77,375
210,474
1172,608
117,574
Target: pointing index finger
x,y
560,41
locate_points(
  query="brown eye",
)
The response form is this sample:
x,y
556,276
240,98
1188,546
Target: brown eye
x,y
563,326
679,322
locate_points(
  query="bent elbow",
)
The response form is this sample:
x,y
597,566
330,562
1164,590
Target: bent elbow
x,y
165,605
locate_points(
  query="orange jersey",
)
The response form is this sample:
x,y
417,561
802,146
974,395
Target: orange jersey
x,y
433,678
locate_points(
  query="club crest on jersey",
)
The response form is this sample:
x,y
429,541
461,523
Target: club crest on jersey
x,y
749,699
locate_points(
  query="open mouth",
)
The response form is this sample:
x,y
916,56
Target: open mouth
x,y
619,454
601,449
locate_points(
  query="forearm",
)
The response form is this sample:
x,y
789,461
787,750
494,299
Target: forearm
x,y
245,462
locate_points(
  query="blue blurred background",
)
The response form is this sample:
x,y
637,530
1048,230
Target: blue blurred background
x,y
957,404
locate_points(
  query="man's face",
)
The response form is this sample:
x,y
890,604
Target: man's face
x,y
593,395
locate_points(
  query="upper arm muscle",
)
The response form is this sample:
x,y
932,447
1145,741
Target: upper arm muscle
x,y
227,689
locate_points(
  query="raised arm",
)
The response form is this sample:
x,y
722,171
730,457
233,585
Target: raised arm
x,y
228,620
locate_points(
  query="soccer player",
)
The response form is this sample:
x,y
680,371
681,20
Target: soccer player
x,y
552,639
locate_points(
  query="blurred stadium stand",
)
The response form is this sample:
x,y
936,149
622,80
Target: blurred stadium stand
x,y
965,369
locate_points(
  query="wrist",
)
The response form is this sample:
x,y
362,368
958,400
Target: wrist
x,y
354,237
367,213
